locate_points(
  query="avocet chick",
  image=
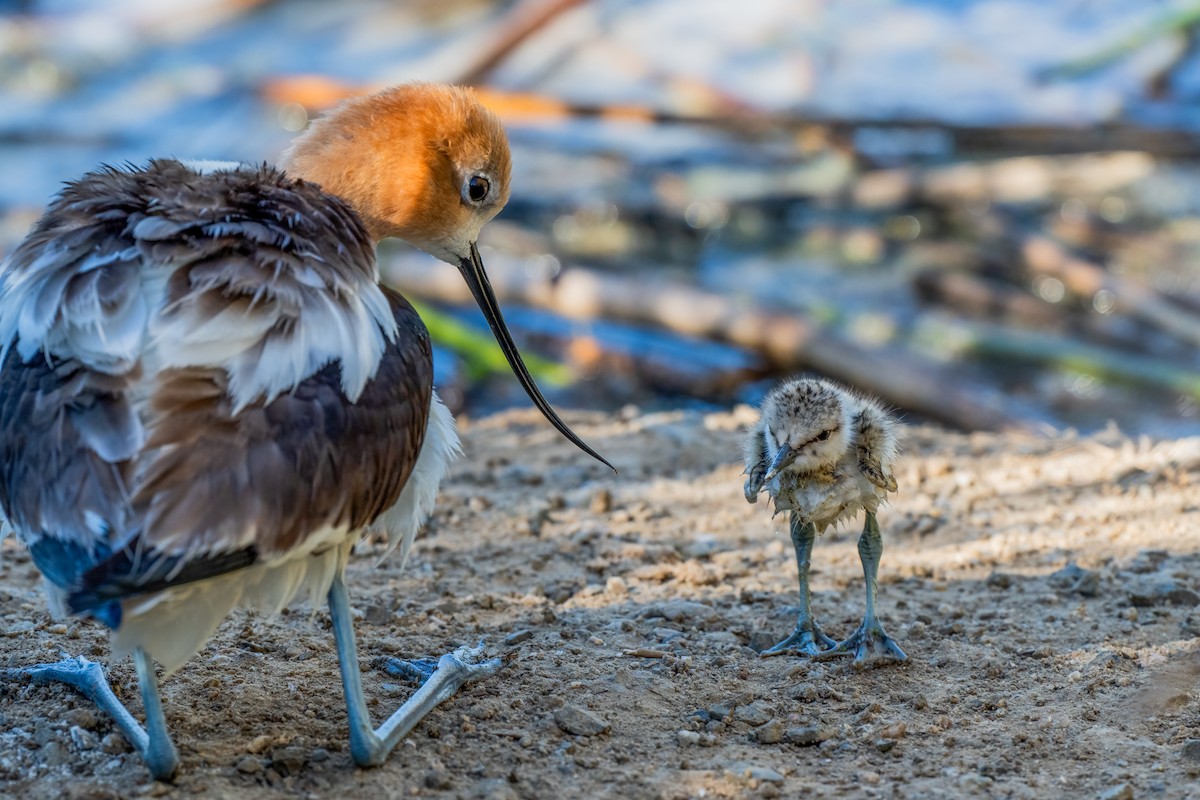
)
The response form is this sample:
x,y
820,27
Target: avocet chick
x,y
824,454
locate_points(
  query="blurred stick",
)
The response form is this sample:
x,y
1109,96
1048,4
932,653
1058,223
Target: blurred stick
x,y
317,92
1046,257
521,22
789,342
1175,21
1022,179
999,341
972,296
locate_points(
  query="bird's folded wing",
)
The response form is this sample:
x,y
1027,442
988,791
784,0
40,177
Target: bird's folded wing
x,y
217,489
198,367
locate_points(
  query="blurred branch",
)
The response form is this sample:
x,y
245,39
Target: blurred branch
x,y
998,341
1046,257
1021,179
972,296
788,341
1176,21
521,22
317,92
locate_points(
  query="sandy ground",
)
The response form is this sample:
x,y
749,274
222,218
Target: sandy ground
x,y
635,606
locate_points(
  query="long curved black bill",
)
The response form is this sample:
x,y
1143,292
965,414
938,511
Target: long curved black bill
x,y
782,459
477,279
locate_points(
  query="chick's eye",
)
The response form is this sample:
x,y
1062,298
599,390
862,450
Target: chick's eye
x,y
477,188
822,436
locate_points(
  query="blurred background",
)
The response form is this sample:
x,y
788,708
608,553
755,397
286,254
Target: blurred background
x,y
987,212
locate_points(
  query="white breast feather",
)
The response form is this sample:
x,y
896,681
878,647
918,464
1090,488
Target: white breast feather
x,y
174,624
402,521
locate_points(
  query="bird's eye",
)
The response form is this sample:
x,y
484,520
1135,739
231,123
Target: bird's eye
x,y
477,188
822,436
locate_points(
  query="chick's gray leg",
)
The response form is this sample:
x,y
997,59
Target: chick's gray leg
x,y
869,642
808,638
369,747
153,742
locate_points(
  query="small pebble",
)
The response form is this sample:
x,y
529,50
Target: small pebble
x,y
516,637
260,744
1148,593
770,733
114,744
683,611
288,760
249,765
438,779
579,721
804,691
1000,580
1122,791
55,754
687,738
82,738
720,710
81,718
885,745
753,773
377,615
753,714
601,502
807,735
975,781
1074,579
1191,750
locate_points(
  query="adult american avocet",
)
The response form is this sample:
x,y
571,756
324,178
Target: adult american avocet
x,y
206,395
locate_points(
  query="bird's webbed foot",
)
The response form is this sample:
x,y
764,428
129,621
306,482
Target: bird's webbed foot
x,y
414,670
87,677
869,645
806,640
754,483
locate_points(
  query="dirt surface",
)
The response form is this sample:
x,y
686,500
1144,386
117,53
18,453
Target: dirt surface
x,y
636,604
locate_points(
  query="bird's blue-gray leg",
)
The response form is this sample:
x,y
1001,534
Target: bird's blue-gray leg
x,y
869,642
369,747
87,677
159,752
808,638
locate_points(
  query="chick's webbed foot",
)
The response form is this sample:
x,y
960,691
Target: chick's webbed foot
x,y
869,645
754,483
807,640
